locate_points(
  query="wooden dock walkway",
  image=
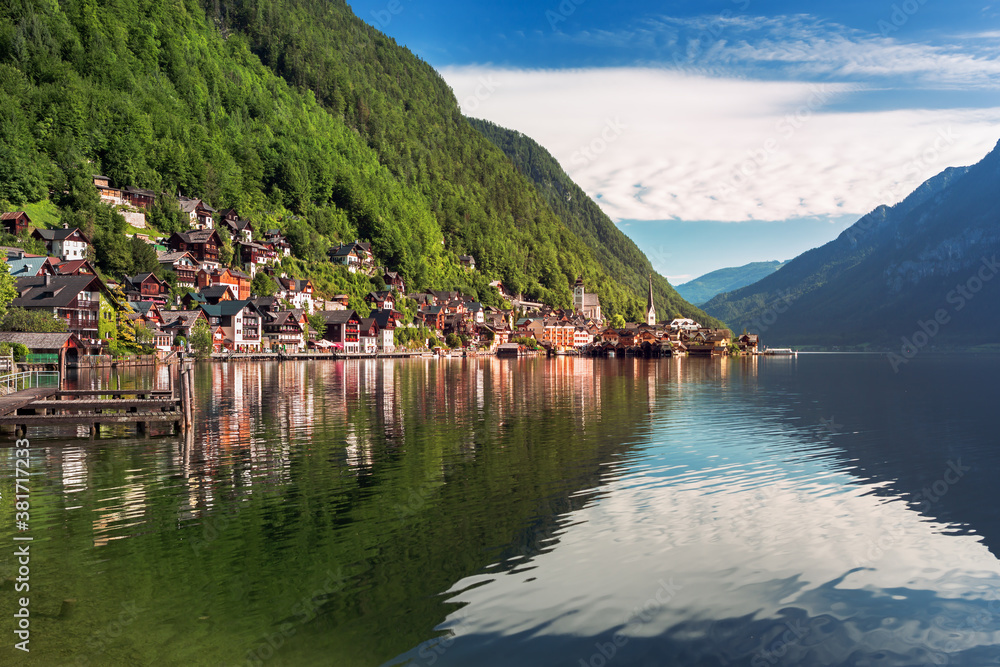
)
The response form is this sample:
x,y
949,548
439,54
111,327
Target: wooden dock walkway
x,y
45,406
15,401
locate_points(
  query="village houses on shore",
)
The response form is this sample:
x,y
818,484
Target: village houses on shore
x,y
65,284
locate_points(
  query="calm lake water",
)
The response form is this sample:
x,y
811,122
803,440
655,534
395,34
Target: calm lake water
x,y
822,510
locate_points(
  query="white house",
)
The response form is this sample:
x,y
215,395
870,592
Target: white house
x,y
299,293
368,337
684,324
67,244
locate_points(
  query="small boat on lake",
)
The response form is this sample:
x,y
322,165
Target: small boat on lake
x,y
781,352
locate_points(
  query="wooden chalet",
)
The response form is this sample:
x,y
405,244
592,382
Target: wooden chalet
x,y
76,267
212,294
355,255
381,300
107,192
277,242
183,264
234,278
74,299
394,281
432,317
180,322
749,343
15,222
367,336
296,291
145,287
240,229
199,213
284,331
138,197
203,244
342,329
387,321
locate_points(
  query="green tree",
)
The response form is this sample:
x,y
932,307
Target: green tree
x,y
36,321
144,258
143,335
226,249
617,322
318,324
16,350
8,288
263,285
201,340
166,215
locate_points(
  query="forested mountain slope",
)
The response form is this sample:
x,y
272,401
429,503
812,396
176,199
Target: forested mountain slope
x,y
616,252
293,111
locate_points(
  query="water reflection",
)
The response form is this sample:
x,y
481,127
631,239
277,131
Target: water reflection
x,y
531,511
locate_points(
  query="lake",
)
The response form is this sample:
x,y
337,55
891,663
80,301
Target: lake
x,y
818,510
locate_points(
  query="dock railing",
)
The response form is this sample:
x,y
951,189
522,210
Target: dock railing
x,y
13,382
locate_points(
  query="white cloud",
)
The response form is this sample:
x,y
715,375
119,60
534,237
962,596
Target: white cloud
x,y
661,144
800,45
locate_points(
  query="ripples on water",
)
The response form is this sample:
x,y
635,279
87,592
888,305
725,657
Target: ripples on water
x,y
819,511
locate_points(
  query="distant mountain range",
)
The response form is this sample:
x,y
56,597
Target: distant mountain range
x,y
918,274
700,290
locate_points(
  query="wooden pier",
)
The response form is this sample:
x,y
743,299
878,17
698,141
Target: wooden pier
x,y
45,406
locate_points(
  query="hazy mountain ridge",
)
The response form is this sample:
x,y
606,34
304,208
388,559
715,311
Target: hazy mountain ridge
x,y
887,273
702,289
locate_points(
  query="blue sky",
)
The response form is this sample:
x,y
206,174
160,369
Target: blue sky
x,y
724,132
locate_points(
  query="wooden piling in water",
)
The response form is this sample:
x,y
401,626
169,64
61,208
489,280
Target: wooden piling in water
x,y
190,392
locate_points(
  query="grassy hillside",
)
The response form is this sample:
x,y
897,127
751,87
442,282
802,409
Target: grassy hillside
x,y
295,112
702,289
616,252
